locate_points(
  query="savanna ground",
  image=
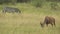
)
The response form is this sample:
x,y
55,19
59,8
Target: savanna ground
x,y
28,22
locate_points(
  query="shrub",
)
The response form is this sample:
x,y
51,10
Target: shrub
x,y
54,5
38,3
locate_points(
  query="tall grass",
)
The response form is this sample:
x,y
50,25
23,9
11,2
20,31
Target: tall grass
x,y
29,21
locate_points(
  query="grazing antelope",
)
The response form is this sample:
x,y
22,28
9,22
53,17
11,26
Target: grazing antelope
x,y
48,20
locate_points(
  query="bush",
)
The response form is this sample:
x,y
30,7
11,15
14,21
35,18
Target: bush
x,y
38,3
54,5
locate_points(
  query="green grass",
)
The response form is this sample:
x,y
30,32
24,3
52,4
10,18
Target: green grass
x,y
29,21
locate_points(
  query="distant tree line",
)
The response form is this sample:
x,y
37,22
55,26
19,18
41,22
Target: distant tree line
x,y
36,3
9,1
23,1
53,0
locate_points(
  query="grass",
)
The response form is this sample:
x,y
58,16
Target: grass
x,y
29,21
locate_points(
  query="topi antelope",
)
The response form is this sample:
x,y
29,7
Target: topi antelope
x,y
48,20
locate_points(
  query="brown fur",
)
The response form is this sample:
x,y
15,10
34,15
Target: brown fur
x,y
48,20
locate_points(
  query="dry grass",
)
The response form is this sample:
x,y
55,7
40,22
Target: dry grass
x,y
29,21
26,24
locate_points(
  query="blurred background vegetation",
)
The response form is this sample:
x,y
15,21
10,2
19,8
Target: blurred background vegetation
x,y
53,4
